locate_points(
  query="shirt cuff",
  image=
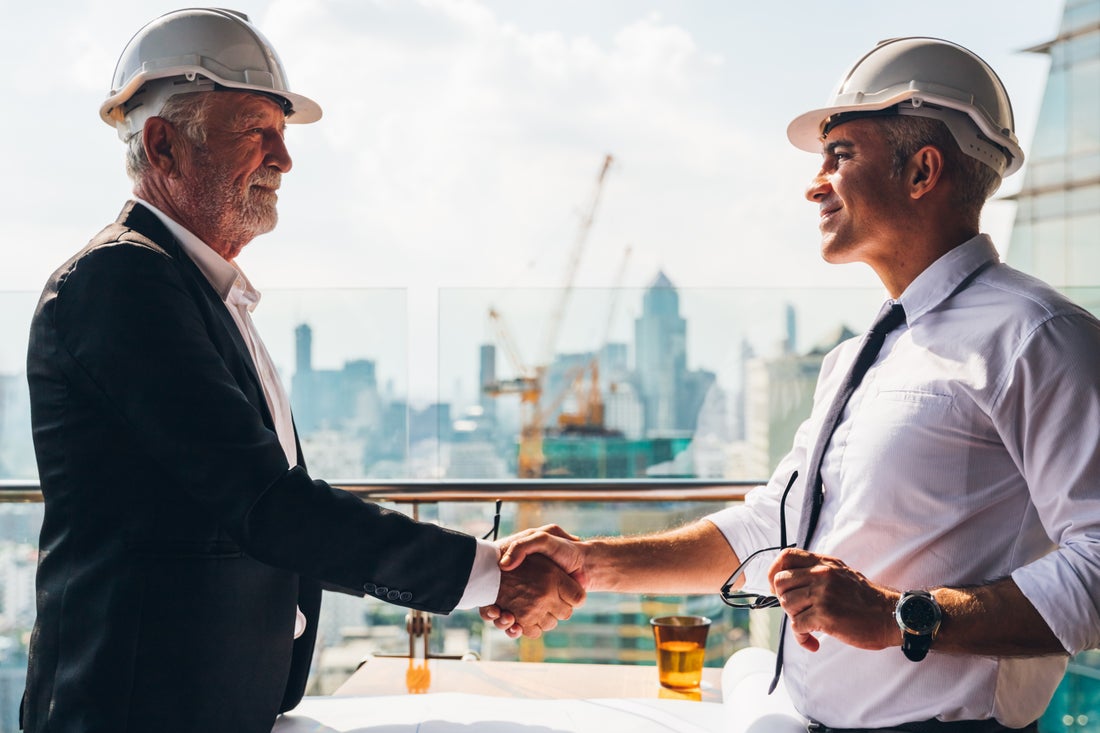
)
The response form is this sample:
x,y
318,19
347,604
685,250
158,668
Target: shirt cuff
x,y
484,583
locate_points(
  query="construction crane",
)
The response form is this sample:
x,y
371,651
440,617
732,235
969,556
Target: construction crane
x,y
528,385
589,414
558,315
529,381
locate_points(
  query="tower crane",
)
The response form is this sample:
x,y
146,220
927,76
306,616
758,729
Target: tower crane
x,y
528,385
530,381
590,411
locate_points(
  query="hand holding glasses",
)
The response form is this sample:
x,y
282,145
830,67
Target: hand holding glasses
x,y
756,600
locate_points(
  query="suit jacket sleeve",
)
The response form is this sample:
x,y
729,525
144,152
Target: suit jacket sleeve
x,y
136,331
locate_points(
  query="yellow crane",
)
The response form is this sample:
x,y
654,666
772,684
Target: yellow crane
x,y
529,381
588,417
528,385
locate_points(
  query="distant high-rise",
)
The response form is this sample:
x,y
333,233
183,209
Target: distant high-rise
x,y
660,346
487,374
303,349
671,395
790,342
779,395
342,420
1057,232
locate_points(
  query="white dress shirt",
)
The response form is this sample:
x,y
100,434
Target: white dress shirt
x,y
970,452
241,298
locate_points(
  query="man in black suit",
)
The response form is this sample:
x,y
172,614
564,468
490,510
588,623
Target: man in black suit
x,y
184,545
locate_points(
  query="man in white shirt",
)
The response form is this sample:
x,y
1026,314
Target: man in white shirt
x,y
184,546
953,559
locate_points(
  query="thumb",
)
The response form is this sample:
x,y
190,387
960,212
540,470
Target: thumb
x,y
516,552
571,591
808,641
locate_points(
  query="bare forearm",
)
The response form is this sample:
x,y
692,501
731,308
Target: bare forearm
x,y
692,559
821,594
992,620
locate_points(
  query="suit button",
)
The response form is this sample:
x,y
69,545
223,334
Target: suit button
x,y
405,597
393,595
381,591
369,587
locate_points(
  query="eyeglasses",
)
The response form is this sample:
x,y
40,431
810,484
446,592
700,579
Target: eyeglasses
x,y
496,523
755,600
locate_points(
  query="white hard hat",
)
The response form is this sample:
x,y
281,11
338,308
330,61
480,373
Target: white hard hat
x,y
197,49
924,77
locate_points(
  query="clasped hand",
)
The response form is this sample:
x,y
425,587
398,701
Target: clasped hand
x,y
541,581
822,594
817,592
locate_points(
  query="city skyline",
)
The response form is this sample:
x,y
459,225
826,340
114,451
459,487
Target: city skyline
x,y
461,137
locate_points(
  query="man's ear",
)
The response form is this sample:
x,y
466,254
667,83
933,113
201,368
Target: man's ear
x,y
924,171
161,143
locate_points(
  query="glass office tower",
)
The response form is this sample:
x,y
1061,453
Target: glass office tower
x,y
1057,231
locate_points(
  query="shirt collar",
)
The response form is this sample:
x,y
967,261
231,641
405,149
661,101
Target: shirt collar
x,y
944,276
225,277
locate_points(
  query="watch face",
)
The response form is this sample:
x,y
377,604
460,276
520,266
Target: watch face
x,y
921,615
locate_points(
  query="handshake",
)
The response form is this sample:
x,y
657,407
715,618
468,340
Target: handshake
x,y
543,578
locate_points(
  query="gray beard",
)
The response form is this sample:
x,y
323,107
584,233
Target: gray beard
x,y
233,216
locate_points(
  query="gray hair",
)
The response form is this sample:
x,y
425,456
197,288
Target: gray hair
x,y
974,181
187,113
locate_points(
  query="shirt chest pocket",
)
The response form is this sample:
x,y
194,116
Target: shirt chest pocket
x,y
913,431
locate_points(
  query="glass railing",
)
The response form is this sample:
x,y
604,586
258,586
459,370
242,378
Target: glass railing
x,y
639,409
609,628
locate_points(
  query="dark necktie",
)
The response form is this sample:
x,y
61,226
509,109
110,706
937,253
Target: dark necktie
x,y
889,318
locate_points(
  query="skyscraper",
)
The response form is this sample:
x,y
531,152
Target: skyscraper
x,y
1057,232
660,342
487,374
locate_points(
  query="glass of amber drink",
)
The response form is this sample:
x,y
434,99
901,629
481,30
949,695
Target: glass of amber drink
x,y
681,645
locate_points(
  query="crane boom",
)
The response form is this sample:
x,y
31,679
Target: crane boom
x,y
558,314
528,383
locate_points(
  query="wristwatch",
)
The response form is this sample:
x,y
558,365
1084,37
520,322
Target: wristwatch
x,y
918,615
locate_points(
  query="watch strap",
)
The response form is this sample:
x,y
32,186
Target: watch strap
x,y
915,646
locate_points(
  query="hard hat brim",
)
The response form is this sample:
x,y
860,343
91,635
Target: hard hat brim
x,y
805,131
303,109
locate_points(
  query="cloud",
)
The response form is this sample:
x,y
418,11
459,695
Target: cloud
x,y
465,146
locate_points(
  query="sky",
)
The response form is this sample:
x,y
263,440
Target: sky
x,y
461,140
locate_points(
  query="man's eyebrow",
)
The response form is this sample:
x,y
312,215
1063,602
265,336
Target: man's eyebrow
x,y
831,147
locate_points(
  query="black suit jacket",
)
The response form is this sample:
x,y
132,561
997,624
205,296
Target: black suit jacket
x,y
176,540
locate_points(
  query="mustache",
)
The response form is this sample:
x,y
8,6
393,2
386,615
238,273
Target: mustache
x,y
266,178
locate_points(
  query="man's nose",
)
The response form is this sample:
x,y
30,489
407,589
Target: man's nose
x,y
819,187
277,156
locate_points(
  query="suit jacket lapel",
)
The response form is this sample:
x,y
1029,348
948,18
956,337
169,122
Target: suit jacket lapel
x,y
136,217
